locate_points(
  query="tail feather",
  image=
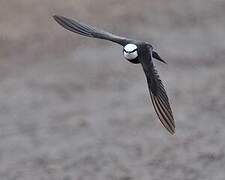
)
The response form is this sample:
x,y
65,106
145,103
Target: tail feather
x,y
156,56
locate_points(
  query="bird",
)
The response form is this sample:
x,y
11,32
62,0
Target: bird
x,y
136,52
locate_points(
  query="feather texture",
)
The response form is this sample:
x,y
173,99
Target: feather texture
x,y
89,31
158,94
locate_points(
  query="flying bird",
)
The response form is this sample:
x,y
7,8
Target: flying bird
x,y
135,52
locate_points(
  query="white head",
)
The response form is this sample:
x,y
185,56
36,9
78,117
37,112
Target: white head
x,y
130,51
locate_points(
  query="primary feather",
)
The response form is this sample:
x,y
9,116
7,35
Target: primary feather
x,y
158,94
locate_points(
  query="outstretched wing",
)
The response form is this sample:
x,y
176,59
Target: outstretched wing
x,y
89,31
158,94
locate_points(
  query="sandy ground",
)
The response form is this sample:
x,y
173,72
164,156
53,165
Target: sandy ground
x,y
73,109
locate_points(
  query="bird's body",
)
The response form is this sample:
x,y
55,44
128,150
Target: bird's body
x,y
135,52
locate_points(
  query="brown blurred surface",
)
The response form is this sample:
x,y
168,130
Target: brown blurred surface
x,y
73,109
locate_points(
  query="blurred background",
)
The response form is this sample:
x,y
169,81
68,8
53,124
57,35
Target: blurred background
x,y
72,108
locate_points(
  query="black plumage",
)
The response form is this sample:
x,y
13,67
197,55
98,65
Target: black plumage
x,y
145,54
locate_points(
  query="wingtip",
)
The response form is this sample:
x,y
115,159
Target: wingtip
x,y
172,131
165,116
57,18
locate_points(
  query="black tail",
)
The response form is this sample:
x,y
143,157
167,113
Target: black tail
x,y
156,56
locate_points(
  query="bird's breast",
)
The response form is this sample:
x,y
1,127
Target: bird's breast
x,y
134,61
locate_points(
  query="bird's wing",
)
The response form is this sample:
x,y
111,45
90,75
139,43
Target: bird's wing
x,y
158,94
89,31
